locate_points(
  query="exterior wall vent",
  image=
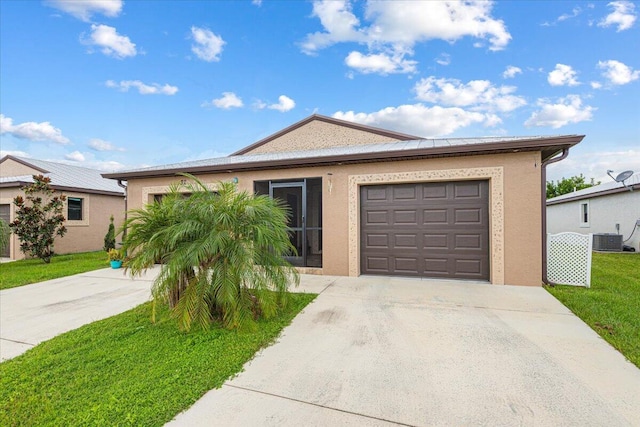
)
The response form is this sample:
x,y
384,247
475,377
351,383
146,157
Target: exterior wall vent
x,y
607,242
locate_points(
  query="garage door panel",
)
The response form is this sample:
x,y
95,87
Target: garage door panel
x,y
434,191
405,217
377,241
376,193
435,216
427,230
406,241
467,190
404,192
377,264
406,265
468,241
468,216
435,241
377,217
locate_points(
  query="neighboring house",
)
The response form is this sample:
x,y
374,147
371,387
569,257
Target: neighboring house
x,y
604,208
91,200
371,201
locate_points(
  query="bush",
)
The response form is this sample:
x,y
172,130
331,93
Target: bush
x,y
222,252
110,237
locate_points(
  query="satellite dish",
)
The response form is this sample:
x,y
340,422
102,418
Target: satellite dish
x,y
622,177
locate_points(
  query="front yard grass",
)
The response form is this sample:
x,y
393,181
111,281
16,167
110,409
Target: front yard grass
x,y
124,370
27,271
612,305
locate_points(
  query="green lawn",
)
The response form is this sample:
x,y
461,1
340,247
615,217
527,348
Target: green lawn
x,y
25,272
124,370
612,305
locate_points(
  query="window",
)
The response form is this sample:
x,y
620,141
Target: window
x,y
584,214
74,209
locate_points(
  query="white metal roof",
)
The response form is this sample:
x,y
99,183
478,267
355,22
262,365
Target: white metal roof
x,y
597,190
63,175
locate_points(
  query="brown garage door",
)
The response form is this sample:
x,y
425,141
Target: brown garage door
x,y
5,214
427,230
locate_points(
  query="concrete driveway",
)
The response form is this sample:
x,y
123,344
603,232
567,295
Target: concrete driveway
x,y
35,313
382,351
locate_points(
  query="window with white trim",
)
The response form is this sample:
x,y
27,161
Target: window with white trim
x,y
584,214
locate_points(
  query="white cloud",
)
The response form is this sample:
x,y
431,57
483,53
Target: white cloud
x,y
406,23
563,75
574,12
228,100
396,26
618,73
623,15
595,164
567,110
596,85
84,9
112,43
444,59
478,94
207,46
257,2
143,88
14,153
417,119
511,71
32,131
284,104
380,63
102,145
75,156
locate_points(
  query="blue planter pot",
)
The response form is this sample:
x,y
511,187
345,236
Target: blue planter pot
x,y
116,264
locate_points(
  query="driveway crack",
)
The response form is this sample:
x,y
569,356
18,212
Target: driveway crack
x,y
321,406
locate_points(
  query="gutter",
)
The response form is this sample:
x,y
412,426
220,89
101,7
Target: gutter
x,y
124,187
543,203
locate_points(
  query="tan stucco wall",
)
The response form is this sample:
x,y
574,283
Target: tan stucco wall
x,y
515,210
316,135
10,167
81,236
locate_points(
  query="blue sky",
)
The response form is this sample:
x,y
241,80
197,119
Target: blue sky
x,y
120,84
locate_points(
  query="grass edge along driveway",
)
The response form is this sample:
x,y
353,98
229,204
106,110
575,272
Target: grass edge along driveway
x,y
124,370
611,307
28,271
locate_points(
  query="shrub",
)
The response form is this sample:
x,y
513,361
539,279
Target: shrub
x,y
39,218
110,237
222,252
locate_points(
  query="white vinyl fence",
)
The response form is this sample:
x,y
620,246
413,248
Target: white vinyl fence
x,y
569,259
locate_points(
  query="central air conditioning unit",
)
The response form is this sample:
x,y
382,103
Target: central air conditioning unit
x,y
607,242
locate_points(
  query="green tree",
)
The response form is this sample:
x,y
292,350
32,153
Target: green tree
x,y
39,218
110,237
222,253
568,185
5,233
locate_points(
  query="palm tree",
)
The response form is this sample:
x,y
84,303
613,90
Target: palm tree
x,y
222,253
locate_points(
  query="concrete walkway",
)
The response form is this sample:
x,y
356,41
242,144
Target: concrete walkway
x,y
381,351
35,313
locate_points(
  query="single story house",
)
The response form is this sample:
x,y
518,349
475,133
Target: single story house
x,y
606,208
366,200
91,200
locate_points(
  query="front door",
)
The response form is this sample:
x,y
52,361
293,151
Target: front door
x,y
293,194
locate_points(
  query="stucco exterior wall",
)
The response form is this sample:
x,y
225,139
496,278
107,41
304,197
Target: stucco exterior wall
x,y
604,213
12,168
81,236
515,214
317,135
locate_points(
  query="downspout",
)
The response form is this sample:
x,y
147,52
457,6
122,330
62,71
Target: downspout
x,y
565,153
124,231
